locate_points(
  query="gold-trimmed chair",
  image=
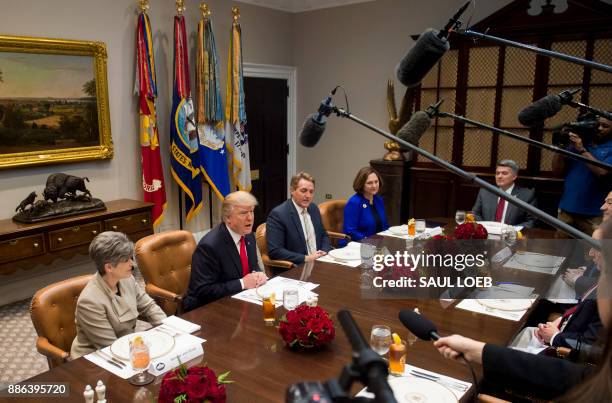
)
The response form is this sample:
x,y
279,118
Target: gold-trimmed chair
x,y
332,215
271,266
52,310
164,259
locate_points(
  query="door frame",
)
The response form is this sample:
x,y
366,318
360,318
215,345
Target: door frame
x,y
288,73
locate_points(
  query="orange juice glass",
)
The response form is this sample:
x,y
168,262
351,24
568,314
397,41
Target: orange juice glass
x,y
397,358
412,227
269,309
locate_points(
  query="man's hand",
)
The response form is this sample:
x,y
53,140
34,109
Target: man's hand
x,y
546,331
314,256
574,138
254,280
452,346
571,275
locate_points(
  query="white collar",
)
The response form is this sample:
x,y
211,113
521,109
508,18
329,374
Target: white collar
x,y
298,208
235,236
509,190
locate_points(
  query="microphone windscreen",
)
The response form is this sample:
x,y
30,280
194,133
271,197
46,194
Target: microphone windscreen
x,y
417,324
542,109
414,129
425,53
311,131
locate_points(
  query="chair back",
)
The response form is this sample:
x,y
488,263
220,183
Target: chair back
x,y
53,315
262,245
332,215
164,259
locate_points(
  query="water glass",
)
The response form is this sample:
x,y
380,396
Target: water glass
x,y
380,339
367,251
291,298
460,217
508,235
420,226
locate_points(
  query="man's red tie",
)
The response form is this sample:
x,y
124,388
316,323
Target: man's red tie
x,y
567,314
243,257
499,213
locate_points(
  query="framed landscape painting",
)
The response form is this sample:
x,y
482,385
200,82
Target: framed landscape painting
x,y
53,102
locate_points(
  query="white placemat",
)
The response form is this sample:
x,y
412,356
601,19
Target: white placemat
x,y
536,262
277,286
429,232
458,394
495,228
475,306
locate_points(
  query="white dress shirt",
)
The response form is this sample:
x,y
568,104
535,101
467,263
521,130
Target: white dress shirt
x,y
306,221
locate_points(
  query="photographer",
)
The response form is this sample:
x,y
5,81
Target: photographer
x,y
585,185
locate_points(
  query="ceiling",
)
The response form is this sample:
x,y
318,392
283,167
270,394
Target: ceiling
x,y
297,6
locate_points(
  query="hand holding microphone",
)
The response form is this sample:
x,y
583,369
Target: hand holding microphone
x,y
454,347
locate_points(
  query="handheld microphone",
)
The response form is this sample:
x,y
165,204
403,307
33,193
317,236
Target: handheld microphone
x,y
314,125
426,52
418,124
419,325
544,108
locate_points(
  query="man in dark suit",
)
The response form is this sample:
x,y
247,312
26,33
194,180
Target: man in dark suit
x,y
294,229
490,207
225,261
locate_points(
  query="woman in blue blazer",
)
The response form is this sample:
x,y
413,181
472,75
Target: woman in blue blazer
x,y
364,213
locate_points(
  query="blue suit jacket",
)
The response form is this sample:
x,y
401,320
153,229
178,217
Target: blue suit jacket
x,y
216,269
285,235
359,222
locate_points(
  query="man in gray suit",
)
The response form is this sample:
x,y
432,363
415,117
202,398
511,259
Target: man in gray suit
x,y
489,207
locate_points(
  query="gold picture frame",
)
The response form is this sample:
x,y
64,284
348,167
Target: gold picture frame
x,y
53,102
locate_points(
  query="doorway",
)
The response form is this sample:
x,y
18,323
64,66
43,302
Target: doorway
x,y
266,109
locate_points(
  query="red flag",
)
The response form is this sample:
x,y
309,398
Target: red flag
x,y
146,89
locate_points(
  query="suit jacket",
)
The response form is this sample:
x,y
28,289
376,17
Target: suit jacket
x,y
285,236
486,206
359,221
529,374
584,325
216,269
103,316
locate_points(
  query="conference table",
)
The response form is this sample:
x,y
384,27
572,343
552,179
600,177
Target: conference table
x,y
262,367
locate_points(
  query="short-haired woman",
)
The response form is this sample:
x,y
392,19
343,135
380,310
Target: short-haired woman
x,y
111,302
364,213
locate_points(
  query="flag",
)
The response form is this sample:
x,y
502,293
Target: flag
x,y
213,153
235,115
184,145
146,89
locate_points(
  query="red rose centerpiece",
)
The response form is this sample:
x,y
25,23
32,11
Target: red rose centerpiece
x,y
307,326
196,384
471,230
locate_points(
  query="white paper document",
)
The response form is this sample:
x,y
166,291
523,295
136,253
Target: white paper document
x,y
483,307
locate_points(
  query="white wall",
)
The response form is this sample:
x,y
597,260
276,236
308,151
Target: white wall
x,y
267,39
358,46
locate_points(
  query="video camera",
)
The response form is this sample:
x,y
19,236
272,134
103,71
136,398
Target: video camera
x,y
585,127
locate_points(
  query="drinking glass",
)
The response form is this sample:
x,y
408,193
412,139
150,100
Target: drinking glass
x,y
508,235
397,358
367,251
380,339
460,217
269,309
291,298
140,360
420,226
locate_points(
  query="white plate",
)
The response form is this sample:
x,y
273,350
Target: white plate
x,y
159,344
506,304
418,390
399,230
345,254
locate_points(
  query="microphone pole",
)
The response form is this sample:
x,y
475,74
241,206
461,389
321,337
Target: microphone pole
x,y
595,111
539,51
560,225
549,147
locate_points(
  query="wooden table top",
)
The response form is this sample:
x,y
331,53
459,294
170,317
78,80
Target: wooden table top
x,y
262,367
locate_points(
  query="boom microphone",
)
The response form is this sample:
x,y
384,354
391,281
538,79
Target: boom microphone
x,y
418,124
426,52
544,108
314,125
418,324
